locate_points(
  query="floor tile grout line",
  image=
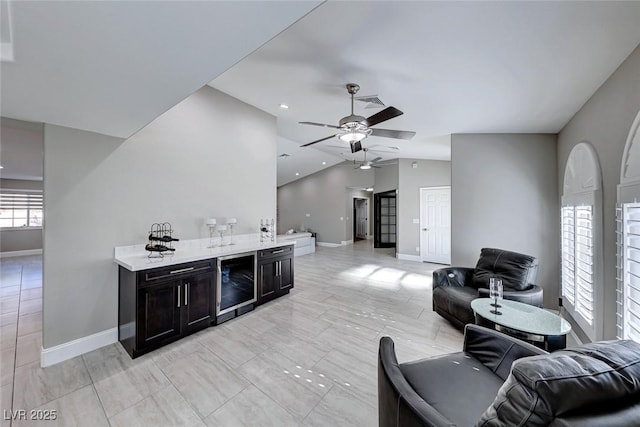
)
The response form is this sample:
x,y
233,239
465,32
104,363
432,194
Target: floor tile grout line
x,y
93,387
15,353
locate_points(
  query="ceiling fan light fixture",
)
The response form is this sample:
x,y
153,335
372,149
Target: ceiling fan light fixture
x,y
353,132
365,166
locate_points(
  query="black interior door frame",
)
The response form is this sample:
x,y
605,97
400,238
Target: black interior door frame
x,y
382,237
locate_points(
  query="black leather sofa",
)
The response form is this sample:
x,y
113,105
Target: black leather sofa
x,y
455,287
500,381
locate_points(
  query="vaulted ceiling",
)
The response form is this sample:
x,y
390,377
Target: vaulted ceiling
x,y
112,67
452,67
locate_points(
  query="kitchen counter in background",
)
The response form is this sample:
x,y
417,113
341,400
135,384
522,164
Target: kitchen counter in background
x,y
305,242
135,258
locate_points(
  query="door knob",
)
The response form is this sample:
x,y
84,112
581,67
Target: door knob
x,y
425,229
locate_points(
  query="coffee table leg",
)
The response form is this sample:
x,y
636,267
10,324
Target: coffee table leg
x,y
555,342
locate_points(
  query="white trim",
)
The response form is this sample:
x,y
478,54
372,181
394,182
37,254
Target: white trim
x,y
635,127
26,252
328,245
59,353
409,257
346,242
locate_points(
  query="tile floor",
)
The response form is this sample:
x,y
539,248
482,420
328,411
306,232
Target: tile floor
x,y
305,359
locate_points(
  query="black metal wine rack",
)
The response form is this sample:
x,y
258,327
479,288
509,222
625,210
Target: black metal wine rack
x,y
160,240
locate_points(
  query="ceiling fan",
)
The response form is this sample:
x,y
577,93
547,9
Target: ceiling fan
x,y
367,164
353,128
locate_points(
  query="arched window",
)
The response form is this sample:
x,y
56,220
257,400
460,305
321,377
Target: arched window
x,y
628,236
581,235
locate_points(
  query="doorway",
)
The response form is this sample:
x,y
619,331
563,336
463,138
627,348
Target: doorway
x,y
435,225
360,219
385,220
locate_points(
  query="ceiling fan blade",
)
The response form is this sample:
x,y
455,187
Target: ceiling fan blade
x,y
317,140
324,125
388,133
376,159
374,166
384,115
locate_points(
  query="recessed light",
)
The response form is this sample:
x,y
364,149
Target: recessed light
x,y
297,173
370,189
324,163
284,106
1,167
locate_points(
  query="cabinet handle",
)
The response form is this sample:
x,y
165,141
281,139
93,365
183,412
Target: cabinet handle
x,y
186,294
179,295
182,270
277,252
279,268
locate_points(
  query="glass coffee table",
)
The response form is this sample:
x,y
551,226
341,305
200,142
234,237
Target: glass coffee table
x,y
535,325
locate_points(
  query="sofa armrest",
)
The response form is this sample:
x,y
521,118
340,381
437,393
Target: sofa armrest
x,y
496,350
532,296
452,276
398,403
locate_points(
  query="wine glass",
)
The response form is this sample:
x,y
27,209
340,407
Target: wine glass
x,y
231,222
221,230
495,292
211,223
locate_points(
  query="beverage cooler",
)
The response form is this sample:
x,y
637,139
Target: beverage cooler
x,y
236,283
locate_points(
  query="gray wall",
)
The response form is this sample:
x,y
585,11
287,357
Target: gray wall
x,y
209,156
605,121
386,178
429,173
21,239
504,191
323,195
21,149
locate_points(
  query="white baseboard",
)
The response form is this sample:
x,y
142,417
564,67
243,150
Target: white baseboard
x,y
20,253
328,245
69,350
406,257
346,242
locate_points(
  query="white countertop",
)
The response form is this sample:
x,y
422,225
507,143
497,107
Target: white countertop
x,y
136,258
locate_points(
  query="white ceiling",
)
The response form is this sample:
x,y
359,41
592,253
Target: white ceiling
x,y
452,67
112,67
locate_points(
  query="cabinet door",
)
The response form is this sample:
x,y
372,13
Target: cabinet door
x,y
286,274
198,301
158,314
267,285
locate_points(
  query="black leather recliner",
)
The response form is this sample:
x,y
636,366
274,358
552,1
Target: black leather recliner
x,y
455,287
500,381
449,390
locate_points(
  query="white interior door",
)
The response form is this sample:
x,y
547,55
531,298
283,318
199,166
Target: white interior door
x,y
435,225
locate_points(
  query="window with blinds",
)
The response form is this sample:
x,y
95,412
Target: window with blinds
x,y
577,261
568,254
631,271
20,209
